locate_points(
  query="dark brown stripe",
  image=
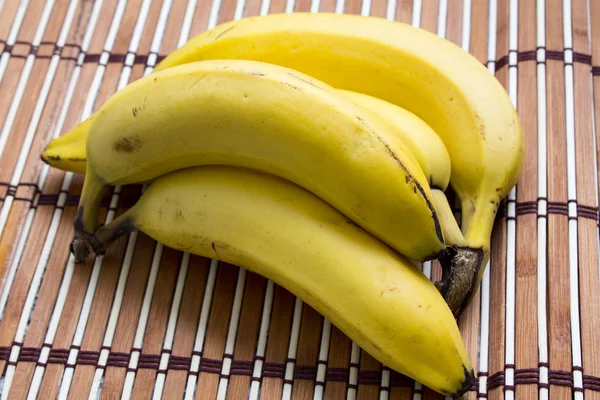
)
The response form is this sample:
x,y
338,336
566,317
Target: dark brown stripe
x,y
521,208
369,378
527,376
527,55
210,366
305,372
495,380
555,55
501,62
559,55
582,58
337,374
273,370
57,50
241,367
399,380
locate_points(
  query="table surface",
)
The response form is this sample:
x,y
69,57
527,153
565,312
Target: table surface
x,y
148,320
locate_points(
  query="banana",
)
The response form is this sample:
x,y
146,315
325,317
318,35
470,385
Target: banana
x,y
269,118
412,68
281,231
68,152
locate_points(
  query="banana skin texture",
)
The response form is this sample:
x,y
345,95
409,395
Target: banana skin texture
x,y
279,230
410,67
269,118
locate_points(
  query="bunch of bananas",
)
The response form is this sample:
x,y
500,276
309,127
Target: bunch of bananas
x,y
315,150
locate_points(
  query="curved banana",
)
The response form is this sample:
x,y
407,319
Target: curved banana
x,y
410,67
264,117
68,153
279,230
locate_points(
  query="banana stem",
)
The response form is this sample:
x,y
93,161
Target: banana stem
x,y
86,220
463,267
107,234
464,259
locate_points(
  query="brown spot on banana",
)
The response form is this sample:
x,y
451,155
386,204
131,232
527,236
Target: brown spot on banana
x,y
127,144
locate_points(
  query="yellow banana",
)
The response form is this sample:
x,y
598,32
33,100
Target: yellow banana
x,y
264,117
410,67
68,153
279,230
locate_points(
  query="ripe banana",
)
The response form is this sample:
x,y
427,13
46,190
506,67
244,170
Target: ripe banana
x,y
265,117
67,152
410,67
281,231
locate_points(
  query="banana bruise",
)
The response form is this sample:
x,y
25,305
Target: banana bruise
x,y
269,118
279,230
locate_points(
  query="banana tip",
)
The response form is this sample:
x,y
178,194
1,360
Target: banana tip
x,y
49,158
467,383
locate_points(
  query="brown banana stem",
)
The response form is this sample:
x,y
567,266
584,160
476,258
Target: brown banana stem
x,y
86,220
107,234
460,271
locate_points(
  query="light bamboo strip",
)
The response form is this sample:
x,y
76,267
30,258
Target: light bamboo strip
x,y
12,35
542,187
572,197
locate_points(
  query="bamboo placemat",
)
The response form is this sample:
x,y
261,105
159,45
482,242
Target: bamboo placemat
x,y
147,321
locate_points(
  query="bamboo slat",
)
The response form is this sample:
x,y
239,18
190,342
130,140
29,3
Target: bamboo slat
x,y
146,320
